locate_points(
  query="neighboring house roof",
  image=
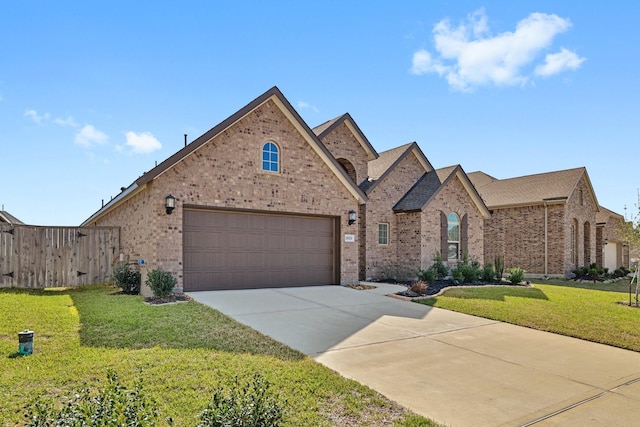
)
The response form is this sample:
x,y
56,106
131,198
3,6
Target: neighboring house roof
x,y
530,189
9,219
604,214
431,183
325,128
388,160
480,178
287,109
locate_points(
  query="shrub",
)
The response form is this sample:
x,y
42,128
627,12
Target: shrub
x,y
249,405
428,276
620,272
161,282
516,275
488,273
115,405
498,262
438,265
457,276
419,287
127,278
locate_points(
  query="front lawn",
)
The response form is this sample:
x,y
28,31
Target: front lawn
x,y
183,352
589,311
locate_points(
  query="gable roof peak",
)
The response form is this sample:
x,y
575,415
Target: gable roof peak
x,y
324,129
273,94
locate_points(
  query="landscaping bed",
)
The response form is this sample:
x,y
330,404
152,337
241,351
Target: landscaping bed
x,y
439,286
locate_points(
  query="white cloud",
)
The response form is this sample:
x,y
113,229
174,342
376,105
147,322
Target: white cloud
x,y
69,121
555,63
306,105
37,118
469,56
88,136
143,142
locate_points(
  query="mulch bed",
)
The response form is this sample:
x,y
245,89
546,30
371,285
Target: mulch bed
x,y
438,286
170,299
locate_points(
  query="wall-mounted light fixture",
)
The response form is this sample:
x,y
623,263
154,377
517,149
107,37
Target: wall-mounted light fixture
x,y
170,203
352,217
606,241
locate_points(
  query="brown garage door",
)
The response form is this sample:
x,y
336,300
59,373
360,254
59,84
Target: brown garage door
x,y
243,250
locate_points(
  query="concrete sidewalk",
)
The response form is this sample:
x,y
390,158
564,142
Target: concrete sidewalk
x,y
457,369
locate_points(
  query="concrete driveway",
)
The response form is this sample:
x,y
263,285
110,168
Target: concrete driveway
x,y
457,369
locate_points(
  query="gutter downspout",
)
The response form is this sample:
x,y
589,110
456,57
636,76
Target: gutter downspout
x,y
546,240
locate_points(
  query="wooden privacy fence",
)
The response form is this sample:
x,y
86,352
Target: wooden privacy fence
x,y
48,257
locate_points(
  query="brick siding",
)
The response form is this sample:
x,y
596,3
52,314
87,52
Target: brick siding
x,y
226,173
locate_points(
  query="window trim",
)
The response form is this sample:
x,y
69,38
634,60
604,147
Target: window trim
x,y
385,235
450,242
270,162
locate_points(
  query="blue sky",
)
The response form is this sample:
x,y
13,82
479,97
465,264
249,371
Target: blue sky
x,y
92,94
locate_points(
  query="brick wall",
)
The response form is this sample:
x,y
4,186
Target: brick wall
x,y
226,173
580,209
343,145
382,198
409,241
452,198
518,236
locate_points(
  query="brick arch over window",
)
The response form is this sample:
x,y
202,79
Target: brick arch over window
x,y
587,243
349,169
463,239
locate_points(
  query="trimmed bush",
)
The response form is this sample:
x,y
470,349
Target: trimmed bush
x,y
516,275
127,278
161,282
488,273
457,276
428,276
438,265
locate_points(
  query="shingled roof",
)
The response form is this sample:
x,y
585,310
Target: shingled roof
x,y
604,214
287,109
529,189
388,160
428,186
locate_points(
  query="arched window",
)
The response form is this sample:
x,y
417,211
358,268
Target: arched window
x,y
270,157
453,236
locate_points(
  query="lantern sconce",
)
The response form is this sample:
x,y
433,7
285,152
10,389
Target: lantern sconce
x,y
170,203
352,217
606,241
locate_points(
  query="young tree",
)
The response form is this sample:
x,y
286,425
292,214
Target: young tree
x,y
630,234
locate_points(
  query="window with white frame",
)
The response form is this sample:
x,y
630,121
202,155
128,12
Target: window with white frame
x,y
270,157
383,233
453,234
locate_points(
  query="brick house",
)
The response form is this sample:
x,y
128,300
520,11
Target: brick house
x,y
614,251
547,224
415,212
262,200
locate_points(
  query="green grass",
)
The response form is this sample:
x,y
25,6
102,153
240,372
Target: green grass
x,y
181,351
588,311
